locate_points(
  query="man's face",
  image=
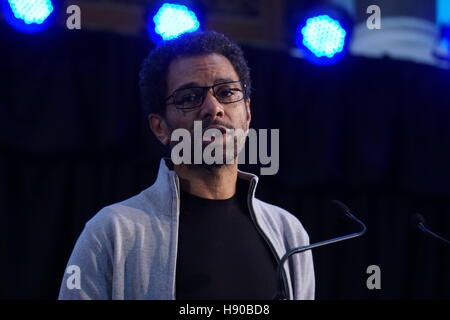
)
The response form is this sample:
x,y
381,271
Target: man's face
x,y
201,71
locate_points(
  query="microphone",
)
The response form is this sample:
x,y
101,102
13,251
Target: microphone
x,y
419,221
283,285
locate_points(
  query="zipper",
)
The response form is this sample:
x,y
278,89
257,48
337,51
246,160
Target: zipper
x,y
177,217
261,232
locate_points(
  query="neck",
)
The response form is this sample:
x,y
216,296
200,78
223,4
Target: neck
x,y
208,182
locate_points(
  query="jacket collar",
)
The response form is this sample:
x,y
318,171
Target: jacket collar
x,y
167,186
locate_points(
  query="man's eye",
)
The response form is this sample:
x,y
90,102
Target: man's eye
x,y
225,93
188,98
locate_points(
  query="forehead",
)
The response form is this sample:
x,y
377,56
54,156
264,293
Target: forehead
x,y
203,70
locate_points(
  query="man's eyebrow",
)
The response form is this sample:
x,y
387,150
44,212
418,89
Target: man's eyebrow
x,y
196,84
220,80
188,85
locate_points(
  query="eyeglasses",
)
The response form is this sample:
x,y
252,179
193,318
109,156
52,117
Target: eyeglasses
x,y
193,97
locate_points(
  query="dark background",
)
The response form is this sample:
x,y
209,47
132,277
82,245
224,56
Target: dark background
x,y
374,134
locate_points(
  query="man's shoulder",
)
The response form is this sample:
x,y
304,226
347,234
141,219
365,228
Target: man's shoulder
x,y
280,218
126,214
276,211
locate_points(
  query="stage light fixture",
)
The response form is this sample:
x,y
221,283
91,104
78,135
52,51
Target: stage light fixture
x,y
27,15
441,49
320,33
323,36
172,20
31,11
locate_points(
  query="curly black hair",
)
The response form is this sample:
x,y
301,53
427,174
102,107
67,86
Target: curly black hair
x,y
153,74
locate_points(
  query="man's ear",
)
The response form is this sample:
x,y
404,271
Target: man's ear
x,y
247,110
159,127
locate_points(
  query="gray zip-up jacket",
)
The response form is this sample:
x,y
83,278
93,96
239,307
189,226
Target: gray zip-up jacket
x,y
128,250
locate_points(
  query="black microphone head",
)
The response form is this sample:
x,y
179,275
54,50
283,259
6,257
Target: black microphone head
x,y
417,219
341,205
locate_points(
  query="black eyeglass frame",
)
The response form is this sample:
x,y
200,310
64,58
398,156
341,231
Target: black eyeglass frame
x,y
205,89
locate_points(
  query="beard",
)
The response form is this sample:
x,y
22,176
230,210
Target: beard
x,y
217,147
229,144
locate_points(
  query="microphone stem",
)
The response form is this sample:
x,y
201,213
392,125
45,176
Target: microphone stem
x,y
280,269
429,232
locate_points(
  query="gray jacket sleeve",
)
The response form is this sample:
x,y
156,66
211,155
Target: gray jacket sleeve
x,y
88,272
305,281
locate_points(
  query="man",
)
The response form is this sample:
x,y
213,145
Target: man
x,y
198,232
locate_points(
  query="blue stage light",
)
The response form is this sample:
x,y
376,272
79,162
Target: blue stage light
x,y
323,36
28,16
31,11
172,20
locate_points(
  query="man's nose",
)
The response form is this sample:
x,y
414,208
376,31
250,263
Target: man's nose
x,y
211,108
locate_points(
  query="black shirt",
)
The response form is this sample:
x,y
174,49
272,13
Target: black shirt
x,y
221,254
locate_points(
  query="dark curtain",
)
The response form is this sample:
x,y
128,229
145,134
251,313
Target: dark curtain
x,y
374,134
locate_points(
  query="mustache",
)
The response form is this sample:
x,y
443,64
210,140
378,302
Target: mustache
x,y
207,123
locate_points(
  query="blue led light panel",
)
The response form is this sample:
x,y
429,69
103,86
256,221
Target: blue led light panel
x,y
31,11
323,36
172,20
